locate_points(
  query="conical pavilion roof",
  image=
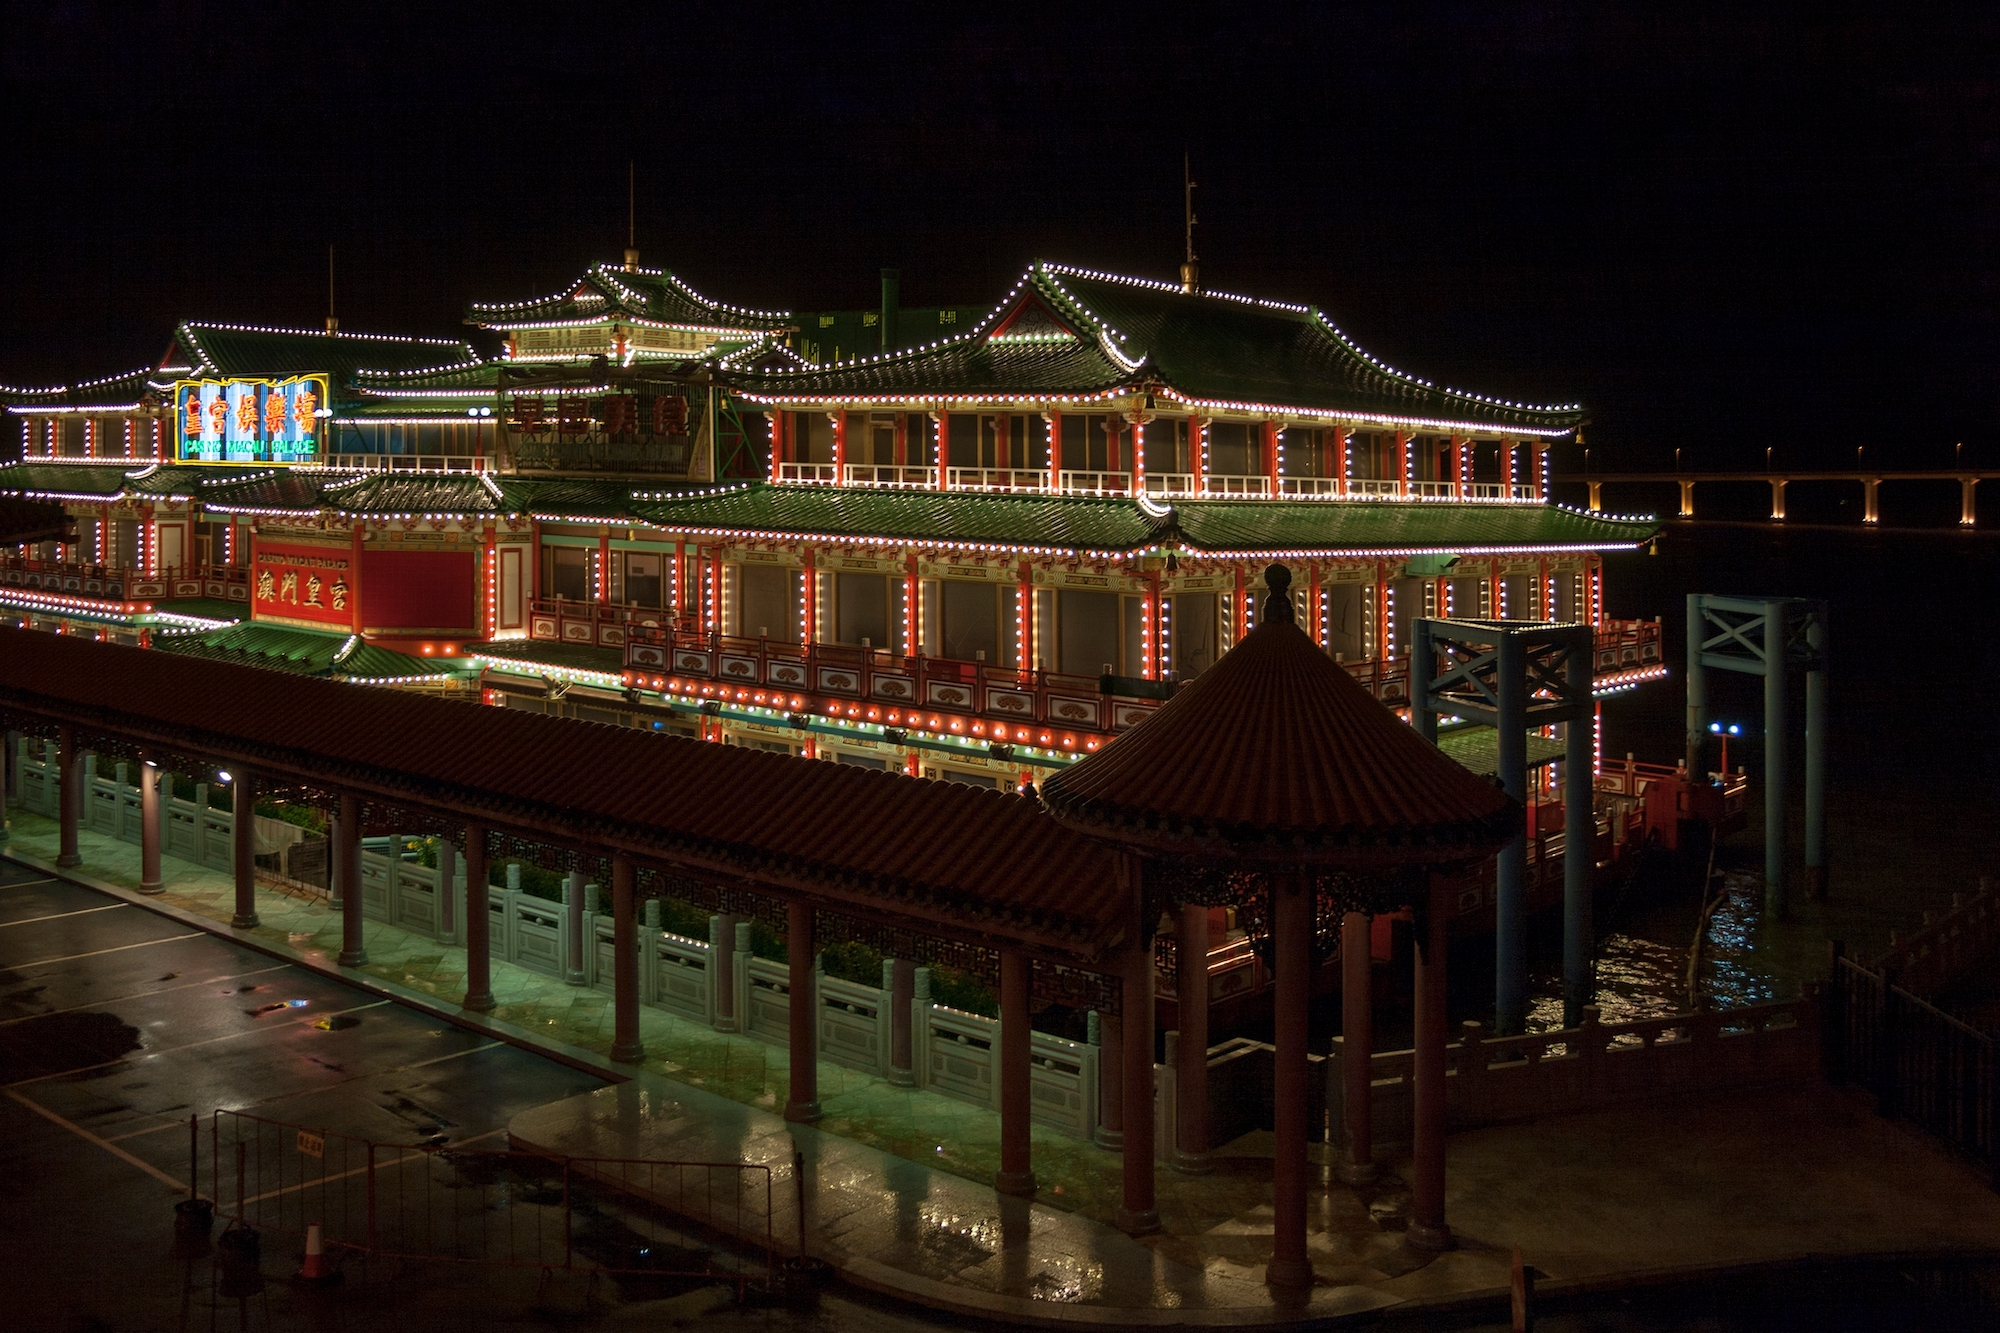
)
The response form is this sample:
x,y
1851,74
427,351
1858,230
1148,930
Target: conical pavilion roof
x,y
1276,753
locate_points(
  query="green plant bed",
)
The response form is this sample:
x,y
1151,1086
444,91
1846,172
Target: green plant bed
x,y
684,919
768,944
853,961
960,990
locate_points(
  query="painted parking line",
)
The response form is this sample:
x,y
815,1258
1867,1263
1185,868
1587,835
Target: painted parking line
x,y
180,1186
57,916
26,883
143,994
99,953
206,1041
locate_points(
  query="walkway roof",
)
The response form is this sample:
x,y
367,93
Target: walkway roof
x,y
953,861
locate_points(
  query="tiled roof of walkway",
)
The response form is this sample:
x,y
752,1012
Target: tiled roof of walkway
x,y
978,865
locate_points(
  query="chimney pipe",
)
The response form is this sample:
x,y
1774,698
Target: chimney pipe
x,y
892,285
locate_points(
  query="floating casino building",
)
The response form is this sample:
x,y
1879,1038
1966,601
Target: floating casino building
x,y
962,544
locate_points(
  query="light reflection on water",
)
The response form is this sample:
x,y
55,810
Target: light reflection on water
x,y
1648,978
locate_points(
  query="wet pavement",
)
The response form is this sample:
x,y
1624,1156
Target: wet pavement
x,y
1588,1206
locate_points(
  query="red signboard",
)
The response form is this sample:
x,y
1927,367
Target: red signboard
x,y
310,583
420,590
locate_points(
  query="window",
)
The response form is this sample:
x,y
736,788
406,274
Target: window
x,y
1086,632
1233,449
767,603
643,584
971,620
566,573
861,610
1192,642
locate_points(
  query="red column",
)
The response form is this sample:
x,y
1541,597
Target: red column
x,y
1138,1213
353,947
353,572
1016,1174
625,1043
243,859
1402,462
803,1103
487,615
1191,1054
1317,626
1271,454
840,448
1507,468
478,924
1111,434
1357,1046
1239,622
809,602
902,442
69,797
149,826
1384,647
943,420
1024,619
604,566
1138,455
1340,459
777,443
1460,474
1427,1225
1291,942
1054,419
913,627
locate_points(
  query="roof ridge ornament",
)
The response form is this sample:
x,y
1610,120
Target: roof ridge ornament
x,y
1278,601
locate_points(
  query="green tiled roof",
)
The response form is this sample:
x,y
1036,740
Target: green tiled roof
x,y
1265,525
1067,522
530,653
1478,748
1135,335
110,391
1119,524
305,652
440,394
63,479
223,349
606,291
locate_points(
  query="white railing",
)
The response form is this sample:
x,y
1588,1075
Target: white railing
x,y
997,479
1309,485
1096,483
410,462
1375,486
824,473
1222,484
1171,483
888,474
1433,490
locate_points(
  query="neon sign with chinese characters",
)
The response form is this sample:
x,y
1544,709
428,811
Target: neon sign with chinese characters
x,y
311,584
251,420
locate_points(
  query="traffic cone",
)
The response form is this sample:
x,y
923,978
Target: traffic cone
x,y
315,1269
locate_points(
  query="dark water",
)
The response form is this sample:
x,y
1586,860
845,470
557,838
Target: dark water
x,y
1913,794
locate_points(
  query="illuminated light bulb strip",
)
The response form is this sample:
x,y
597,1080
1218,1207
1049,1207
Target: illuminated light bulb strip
x,y
1350,415
322,333
459,394
32,409
1174,289
475,363
948,402
24,389
48,601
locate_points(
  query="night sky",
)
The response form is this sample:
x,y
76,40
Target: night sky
x,y
1723,227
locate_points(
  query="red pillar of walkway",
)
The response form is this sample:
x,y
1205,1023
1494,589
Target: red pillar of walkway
x,y
1357,1047
1191,1076
353,946
243,859
1291,942
1138,1214
625,1043
803,1104
69,796
478,924
149,827
1017,978
1427,1225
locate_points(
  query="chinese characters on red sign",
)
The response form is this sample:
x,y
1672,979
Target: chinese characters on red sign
x,y
302,583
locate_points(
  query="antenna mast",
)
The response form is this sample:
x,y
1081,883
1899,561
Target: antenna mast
x,y
1190,271
332,324
631,216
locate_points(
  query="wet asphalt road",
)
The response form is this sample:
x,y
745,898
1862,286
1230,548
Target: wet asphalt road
x,y
116,1024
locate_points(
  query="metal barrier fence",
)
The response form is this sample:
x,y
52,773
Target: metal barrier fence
x,y
618,1217
1922,1064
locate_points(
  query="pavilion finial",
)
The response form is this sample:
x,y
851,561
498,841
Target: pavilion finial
x,y
1278,600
